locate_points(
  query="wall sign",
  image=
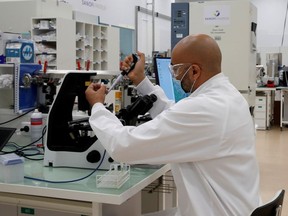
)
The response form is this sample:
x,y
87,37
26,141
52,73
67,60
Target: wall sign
x,y
217,15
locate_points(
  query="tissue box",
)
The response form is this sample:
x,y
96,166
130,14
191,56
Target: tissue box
x,y
11,168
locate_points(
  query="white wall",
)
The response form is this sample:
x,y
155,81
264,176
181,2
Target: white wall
x,y
119,12
272,35
271,16
15,15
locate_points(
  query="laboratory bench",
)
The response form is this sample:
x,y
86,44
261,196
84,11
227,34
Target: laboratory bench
x,y
265,112
81,198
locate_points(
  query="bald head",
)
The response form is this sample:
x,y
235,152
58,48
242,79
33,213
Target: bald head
x,y
199,49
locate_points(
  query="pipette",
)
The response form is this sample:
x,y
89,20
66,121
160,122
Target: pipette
x,y
123,73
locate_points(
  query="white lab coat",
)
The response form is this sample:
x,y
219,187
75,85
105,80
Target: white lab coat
x,y
208,138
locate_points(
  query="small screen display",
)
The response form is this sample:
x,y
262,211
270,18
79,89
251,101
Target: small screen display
x,y
163,76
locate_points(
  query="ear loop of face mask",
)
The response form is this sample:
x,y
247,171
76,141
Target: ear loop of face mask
x,y
190,92
192,86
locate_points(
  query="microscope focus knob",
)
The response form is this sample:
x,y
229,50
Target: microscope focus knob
x,y
93,156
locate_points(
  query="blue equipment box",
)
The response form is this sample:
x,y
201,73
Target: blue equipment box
x,y
20,52
27,96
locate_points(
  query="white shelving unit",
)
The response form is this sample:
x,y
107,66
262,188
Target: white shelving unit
x,y
54,39
97,46
68,44
261,112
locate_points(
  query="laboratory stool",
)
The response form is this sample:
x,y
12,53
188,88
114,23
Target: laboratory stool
x,y
271,208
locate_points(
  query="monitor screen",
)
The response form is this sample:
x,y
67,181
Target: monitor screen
x,y
5,135
163,76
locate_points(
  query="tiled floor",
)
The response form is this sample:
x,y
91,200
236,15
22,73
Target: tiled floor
x,y
272,154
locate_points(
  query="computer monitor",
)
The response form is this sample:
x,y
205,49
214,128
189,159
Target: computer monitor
x,y
5,135
163,76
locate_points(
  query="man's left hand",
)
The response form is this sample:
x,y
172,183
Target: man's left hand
x,y
95,93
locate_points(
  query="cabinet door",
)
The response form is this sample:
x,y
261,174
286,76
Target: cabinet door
x,y
113,48
66,44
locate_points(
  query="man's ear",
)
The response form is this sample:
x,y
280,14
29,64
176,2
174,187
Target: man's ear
x,y
196,71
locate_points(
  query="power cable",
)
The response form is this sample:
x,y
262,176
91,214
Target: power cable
x,y
68,181
1,123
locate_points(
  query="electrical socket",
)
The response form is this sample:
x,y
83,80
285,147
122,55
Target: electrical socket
x,y
24,124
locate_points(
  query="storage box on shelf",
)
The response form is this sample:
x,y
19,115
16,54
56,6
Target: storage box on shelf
x,y
54,39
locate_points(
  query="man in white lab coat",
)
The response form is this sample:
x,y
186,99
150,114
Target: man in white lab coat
x,y
208,137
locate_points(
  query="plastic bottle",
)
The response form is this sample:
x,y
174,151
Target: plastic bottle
x,y
36,127
118,101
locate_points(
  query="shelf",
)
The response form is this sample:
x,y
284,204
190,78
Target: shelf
x,y
45,29
54,39
46,53
45,41
6,65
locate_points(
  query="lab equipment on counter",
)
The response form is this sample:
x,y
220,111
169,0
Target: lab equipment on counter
x,y
11,168
26,91
70,141
115,177
36,122
129,115
5,134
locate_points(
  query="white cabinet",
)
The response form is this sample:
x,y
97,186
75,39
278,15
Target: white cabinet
x,y
54,40
97,47
260,112
263,113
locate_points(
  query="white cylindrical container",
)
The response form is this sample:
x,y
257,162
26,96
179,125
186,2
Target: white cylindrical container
x,y
118,101
36,127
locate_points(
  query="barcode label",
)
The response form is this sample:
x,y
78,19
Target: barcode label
x,y
217,38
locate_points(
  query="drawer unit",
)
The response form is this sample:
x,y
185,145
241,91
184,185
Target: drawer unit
x,y
260,108
260,100
260,113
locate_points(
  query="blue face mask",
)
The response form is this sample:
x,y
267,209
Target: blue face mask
x,y
178,89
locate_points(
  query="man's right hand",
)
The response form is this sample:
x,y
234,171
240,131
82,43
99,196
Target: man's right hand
x,y
136,75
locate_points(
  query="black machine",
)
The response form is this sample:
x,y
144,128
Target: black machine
x,y
5,134
70,141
